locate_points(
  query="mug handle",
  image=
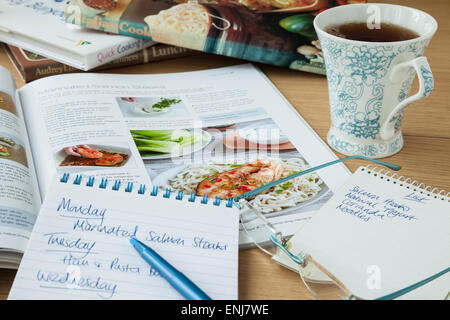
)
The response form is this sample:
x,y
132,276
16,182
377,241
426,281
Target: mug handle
x,y
426,85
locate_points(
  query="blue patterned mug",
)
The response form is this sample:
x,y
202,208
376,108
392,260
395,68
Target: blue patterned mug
x,y
369,82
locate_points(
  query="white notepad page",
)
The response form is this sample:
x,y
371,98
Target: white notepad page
x,y
80,248
378,235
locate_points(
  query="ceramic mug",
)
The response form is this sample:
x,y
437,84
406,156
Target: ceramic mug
x,y
369,82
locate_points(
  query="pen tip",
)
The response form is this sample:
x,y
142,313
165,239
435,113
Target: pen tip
x,y
133,241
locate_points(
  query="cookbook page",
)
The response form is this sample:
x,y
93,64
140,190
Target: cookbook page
x,y
76,127
215,133
19,196
235,132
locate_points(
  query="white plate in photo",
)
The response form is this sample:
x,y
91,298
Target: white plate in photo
x,y
61,155
146,110
206,139
163,180
265,134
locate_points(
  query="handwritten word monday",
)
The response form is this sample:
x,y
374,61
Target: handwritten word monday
x,y
66,206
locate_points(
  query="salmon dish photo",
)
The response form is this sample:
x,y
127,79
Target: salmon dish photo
x,y
217,179
234,182
93,157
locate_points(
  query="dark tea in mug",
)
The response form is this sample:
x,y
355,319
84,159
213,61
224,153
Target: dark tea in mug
x,y
359,31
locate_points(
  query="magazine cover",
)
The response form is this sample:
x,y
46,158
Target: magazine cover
x,y
277,32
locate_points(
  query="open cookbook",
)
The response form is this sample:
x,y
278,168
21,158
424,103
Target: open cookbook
x,y
214,133
278,32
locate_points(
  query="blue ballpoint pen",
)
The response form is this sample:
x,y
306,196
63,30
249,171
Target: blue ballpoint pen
x,y
177,279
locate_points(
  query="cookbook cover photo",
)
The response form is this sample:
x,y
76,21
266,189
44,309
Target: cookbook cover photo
x,y
277,32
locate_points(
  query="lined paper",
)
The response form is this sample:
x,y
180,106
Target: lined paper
x,y
80,248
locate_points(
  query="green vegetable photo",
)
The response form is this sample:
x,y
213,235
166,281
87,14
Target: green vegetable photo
x,y
164,141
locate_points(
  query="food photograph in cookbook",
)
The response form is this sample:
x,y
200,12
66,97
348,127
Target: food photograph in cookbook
x,y
12,149
7,104
232,159
92,156
161,107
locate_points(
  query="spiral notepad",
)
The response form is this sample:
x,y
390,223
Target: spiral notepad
x,y
80,249
155,190
407,183
380,233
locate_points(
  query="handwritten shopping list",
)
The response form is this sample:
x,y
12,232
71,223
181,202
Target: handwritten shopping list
x,y
366,205
377,223
80,249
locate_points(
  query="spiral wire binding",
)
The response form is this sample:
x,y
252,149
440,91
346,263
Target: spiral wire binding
x,y
408,183
155,190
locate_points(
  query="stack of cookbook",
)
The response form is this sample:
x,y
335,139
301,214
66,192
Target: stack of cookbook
x,y
41,44
85,34
276,32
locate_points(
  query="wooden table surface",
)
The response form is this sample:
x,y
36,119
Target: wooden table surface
x,y
425,156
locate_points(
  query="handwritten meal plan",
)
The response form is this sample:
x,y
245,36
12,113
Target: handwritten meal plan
x,y
380,227
80,247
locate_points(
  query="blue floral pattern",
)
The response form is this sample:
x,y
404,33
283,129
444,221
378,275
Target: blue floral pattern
x,y
428,80
397,119
406,85
362,67
356,83
372,150
366,65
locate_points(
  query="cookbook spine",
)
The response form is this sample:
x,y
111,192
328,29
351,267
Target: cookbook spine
x,y
154,53
117,51
33,69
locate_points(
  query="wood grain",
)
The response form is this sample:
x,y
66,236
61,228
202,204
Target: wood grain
x,y
425,156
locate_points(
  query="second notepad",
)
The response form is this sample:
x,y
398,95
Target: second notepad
x,y
80,249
